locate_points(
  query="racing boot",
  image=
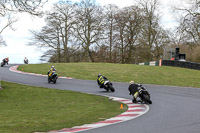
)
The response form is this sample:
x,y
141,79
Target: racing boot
x,y
134,100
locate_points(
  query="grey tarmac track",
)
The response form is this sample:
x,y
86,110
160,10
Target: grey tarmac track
x,y
174,109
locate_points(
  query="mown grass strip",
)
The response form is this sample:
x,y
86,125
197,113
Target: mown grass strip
x,y
27,109
172,76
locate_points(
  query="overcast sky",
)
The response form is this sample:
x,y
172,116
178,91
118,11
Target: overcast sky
x,y
16,40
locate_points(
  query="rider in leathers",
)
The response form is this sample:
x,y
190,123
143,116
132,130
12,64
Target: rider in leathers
x,y
6,60
51,71
133,90
100,80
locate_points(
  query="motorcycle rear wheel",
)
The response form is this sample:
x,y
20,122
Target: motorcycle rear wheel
x,y
146,99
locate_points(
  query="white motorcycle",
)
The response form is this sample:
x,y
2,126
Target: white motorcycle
x,y
108,86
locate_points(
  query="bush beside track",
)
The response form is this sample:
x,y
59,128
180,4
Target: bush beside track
x,y
26,109
164,75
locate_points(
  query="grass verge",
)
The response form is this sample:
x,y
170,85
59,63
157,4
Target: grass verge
x,y
172,76
27,109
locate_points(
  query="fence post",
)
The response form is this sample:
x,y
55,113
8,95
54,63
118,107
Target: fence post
x,y
160,62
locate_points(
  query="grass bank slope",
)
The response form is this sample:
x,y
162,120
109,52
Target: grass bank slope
x,y
27,109
164,75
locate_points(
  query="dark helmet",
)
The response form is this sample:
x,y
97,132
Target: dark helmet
x,y
99,75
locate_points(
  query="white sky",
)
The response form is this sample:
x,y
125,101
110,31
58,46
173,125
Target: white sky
x,y
16,40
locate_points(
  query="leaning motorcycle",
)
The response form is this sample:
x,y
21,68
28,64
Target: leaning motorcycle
x,y
53,78
25,61
108,86
144,95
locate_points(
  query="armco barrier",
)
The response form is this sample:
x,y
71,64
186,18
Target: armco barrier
x,y
184,64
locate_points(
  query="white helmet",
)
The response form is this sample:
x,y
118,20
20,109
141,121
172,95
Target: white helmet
x,y
131,82
99,75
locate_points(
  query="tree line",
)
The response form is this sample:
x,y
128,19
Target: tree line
x,y
85,31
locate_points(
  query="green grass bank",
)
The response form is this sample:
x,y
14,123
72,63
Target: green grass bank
x,y
27,109
172,76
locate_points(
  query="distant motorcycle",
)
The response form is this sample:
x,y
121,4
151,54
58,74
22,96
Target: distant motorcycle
x,y
3,63
25,61
144,95
53,78
108,86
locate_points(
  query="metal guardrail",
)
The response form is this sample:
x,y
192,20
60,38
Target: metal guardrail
x,y
174,63
184,64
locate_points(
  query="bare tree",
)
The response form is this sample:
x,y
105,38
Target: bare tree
x,y
89,26
189,29
49,36
133,30
30,6
189,23
150,27
110,30
8,9
57,34
65,11
162,40
121,20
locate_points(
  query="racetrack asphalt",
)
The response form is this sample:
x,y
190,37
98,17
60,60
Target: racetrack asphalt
x,y
174,109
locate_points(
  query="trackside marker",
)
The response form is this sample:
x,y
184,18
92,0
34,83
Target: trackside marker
x,y
121,107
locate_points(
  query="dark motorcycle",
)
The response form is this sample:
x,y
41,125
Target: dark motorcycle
x,y
3,63
53,77
108,86
144,95
25,61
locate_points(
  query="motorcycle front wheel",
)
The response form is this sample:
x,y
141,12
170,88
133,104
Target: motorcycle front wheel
x,y
49,80
2,64
54,80
112,89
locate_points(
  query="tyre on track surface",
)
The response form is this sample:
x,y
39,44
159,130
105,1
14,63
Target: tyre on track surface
x,y
146,99
112,89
